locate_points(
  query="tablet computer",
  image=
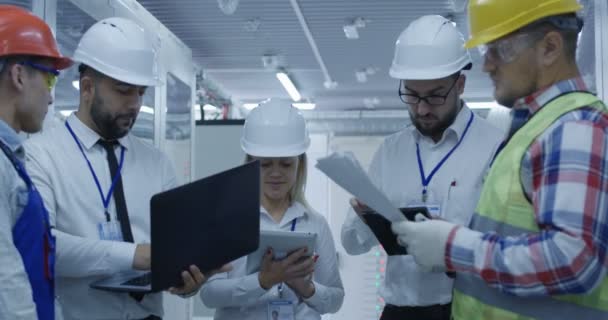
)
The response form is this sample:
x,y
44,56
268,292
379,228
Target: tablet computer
x,y
282,243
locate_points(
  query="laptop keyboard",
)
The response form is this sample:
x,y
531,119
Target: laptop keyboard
x,y
141,281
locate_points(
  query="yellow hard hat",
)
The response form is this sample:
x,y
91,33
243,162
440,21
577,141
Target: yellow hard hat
x,y
492,19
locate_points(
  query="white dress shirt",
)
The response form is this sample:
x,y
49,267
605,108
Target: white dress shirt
x,y
61,174
16,300
456,187
237,295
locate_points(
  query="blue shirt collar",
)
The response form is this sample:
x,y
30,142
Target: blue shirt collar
x,y
10,137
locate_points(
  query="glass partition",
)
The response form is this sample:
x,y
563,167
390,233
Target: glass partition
x,y
72,22
25,4
178,129
585,56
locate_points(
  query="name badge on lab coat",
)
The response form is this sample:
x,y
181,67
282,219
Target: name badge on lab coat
x,y
109,230
281,310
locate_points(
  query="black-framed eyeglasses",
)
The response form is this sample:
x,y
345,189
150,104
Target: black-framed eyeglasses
x,y
432,100
49,73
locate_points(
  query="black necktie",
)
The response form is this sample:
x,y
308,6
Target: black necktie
x,y
119,195
119,200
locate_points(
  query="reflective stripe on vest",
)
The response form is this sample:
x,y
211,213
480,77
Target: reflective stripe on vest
x,y
504,209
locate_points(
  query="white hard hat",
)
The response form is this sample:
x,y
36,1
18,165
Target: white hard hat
x,y
275,129
431,47
121,49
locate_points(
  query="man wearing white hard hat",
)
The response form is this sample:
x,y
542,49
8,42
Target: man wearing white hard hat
x,y
96,179
537,244
438,161
301,286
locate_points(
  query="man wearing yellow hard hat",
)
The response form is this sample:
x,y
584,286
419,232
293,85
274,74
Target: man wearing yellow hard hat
x,y
537,247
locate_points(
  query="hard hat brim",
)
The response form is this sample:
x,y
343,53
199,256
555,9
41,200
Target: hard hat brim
x,y
274,151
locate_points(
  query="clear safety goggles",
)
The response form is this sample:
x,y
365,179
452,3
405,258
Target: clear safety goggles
x,y
506,50
50,74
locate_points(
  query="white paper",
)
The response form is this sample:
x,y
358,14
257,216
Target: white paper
x,y
344,169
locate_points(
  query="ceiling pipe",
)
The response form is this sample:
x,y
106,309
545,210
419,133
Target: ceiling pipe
x,y
329,83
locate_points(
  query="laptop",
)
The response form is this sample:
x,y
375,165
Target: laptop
x,y
208,223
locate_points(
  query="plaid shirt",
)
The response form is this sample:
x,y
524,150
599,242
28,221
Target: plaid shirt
x,y
564,174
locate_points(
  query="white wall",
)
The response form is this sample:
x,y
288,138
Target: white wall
x,y
216,148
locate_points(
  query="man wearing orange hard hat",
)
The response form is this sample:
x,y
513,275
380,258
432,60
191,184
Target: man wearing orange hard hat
x,y
537,246
29,65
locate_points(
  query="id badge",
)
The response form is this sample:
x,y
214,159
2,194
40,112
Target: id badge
x,y
109,230
281,310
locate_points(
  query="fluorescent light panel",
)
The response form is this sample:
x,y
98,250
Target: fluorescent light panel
x,y
209,107
289,86
66,113
304,106
483,105
146,109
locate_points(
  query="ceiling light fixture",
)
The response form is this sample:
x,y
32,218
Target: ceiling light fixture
x,y
250,106
146,109
351,29
66,113
304,105
209,107
483,105
361,76
228,7
289,86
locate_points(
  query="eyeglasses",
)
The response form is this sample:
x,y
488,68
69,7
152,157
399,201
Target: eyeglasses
x,y
50,74
432,100
506,50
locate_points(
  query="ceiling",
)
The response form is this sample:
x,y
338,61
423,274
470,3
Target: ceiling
x,y
229,48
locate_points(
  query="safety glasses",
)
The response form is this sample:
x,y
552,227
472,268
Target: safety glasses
x,y
432,100
50,74
506,50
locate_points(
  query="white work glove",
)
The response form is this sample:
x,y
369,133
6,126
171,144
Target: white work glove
x,y
425,240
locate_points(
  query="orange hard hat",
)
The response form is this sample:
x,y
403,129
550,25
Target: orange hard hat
x,y
23,33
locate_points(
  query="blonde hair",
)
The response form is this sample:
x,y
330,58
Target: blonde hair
x,y
298,191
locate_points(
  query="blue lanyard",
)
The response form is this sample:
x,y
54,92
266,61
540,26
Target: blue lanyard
x,y
104,199
427,180
293,224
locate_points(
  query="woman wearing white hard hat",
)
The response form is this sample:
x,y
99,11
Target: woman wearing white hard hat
x,y
275,134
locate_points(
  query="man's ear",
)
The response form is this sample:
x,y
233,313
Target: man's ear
x,y
550,48
17,75
87,88
461,82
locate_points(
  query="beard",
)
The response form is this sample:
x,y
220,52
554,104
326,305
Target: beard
x,y
107,123
441,123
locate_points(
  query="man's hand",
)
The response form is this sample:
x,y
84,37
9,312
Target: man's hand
x,y
295,265
194,279
141,260
425,241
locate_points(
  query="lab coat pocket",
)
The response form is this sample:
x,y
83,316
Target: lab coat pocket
x,y
459,202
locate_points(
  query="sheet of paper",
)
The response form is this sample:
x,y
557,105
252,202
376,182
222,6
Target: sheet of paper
x,y
344,169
